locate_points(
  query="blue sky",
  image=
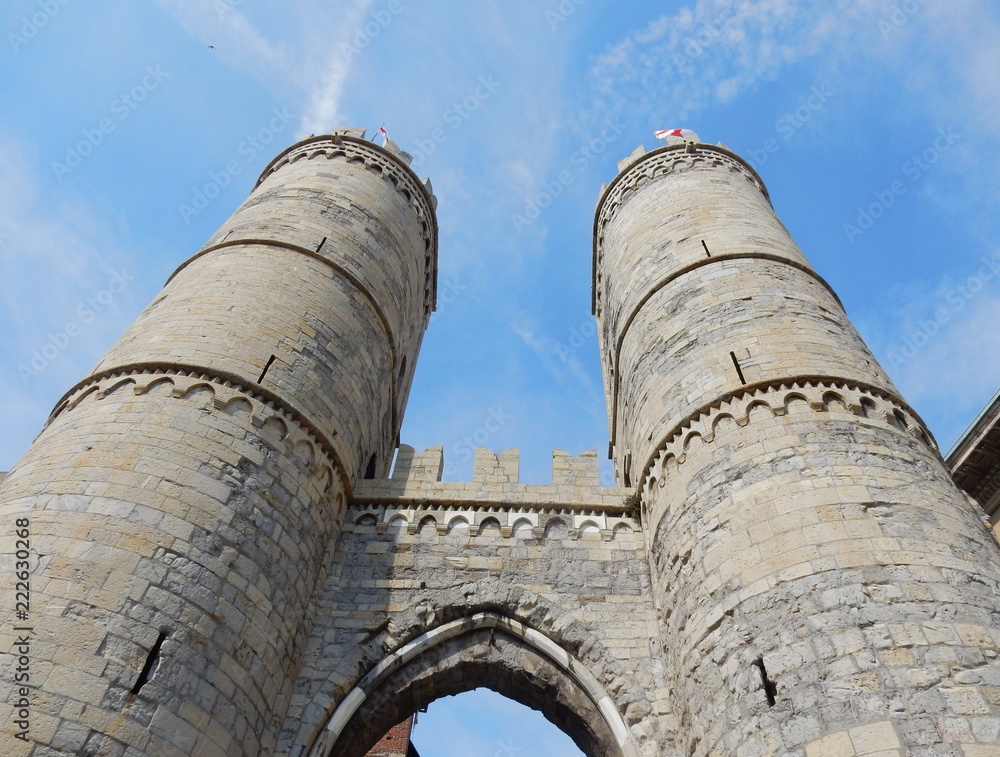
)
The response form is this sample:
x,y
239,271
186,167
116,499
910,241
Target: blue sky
x,y
125,141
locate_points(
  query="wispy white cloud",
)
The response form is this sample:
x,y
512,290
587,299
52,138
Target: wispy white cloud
x,y
318,72
939,64
711,52
323,111
714,50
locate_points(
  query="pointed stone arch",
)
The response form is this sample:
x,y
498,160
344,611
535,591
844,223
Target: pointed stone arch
x,y
484,649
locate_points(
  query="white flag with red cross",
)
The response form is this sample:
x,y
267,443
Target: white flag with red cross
x,y
664,133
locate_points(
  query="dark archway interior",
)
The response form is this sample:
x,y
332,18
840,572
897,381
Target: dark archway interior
x,y
483,658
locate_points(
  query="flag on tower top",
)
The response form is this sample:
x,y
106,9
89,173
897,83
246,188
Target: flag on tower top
x,y
384,133
664,133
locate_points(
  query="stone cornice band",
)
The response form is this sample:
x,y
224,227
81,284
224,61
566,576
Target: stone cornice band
x,y
676,275
249,389
791,384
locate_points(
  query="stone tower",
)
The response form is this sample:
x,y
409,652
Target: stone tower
x,y
183,497
221,562
821,585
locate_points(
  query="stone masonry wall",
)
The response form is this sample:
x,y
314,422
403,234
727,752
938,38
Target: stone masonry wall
x,y
220,564
207,538
417,554
334,255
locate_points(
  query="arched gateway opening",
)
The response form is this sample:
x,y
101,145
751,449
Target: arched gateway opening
x,y
482,650
483,723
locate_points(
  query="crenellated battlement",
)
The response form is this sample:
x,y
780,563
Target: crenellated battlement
x,y
498,468
574,506
416,479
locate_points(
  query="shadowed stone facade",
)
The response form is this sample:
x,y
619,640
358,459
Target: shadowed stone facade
x,y
223,561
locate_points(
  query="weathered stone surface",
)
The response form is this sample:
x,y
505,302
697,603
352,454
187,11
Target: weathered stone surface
x,y
222,563
183,498
805,539
416,555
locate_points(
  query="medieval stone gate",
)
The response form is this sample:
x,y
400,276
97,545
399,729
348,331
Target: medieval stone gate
x,y
222,563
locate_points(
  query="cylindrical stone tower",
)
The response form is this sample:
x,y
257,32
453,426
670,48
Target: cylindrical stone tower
x,y
822,586
183,499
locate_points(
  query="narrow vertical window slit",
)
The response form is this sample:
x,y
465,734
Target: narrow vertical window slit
x,y
770,689
736,364
706,248
151,658
266,366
